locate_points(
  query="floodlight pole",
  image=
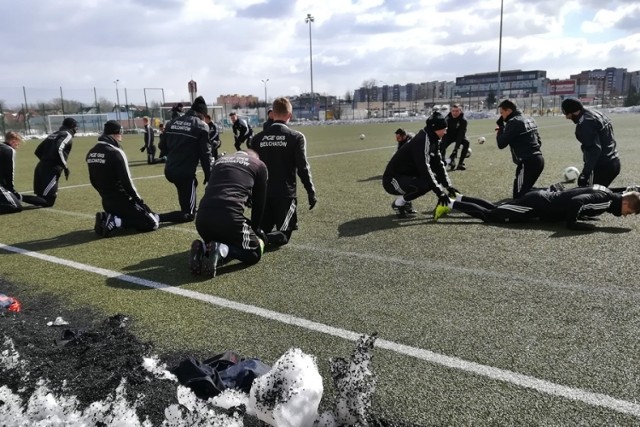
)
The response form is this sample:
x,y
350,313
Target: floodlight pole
x,y
384,98
309,19
500,51
117,100
266,102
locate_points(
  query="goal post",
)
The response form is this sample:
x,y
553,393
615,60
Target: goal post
x,y
87,123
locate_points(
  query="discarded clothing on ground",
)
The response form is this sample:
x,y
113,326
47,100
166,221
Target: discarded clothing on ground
x,y
226,370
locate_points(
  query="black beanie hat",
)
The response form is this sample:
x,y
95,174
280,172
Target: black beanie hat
x,y
571,105
199,106
70,123
112,127
508,104
436,121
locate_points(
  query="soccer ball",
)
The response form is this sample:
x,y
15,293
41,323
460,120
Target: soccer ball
x,y
571,173
362,136
481,140
468,153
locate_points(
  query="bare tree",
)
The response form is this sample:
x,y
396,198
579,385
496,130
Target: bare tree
x,y
348,97
368,85
104,105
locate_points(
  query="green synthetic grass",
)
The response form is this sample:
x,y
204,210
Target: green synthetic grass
x,y
534,299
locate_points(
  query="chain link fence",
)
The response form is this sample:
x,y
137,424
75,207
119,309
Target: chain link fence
x,y
27,110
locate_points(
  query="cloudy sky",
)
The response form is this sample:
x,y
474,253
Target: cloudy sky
x,y
230,46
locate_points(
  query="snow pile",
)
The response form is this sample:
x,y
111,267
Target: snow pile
x,y
289,395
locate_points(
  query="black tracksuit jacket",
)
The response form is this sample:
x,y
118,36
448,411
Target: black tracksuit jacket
x,y
54,149
234,179
521,135
185,142
7,167
595,133
109,170
420,157
284,151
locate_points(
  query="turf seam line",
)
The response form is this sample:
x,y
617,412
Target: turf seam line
x,y
525,381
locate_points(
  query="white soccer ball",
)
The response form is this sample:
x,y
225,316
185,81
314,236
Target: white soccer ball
x,y
362,136
571,173
468,153
481,140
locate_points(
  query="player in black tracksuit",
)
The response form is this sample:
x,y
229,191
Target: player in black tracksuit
x,y
402,137
214,137
110,175
53,153
269,120
417,168
176,111
521,135
226,233
185,142
595,134
284,151
10,199
242,131
149,146
456,133
568,205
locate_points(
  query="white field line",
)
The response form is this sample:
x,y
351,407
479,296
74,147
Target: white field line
x,y
542,386
507,278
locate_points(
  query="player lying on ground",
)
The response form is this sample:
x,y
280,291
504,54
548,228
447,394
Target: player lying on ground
x,y
569,205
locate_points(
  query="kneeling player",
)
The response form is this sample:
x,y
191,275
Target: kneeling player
x,y
10,199
226,233
109,174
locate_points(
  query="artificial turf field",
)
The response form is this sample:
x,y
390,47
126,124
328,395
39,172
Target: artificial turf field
x,y
527,324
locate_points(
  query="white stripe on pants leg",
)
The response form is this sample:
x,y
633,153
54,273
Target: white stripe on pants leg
x,y
292,210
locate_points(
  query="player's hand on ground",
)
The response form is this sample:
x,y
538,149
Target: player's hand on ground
x,y
583,180
312,200
443,200
261,234
453,192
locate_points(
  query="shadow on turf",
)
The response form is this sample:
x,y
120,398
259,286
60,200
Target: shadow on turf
x,y
558,228
371,178
173,266
361,226
72,238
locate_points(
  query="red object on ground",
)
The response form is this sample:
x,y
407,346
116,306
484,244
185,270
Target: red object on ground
x,y
9,303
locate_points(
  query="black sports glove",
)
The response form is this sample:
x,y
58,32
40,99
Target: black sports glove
x,y
581,226
142,149
312,200
443,200
583,180
261,234
66,173
500,122
453,192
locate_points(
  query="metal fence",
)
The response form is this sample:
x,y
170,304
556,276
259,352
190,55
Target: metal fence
x,y
25,109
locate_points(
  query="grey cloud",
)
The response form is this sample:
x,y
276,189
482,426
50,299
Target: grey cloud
x,y
630,22
276,9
